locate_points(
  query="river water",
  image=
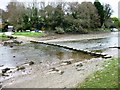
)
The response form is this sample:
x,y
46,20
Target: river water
x,y
94,44
11,57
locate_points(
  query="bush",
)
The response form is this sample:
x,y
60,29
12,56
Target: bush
x,y
68,30
59,30
84,31
19,27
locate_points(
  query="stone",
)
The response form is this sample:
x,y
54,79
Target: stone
x,y
31,63
67,62
17,42
40,62
1,65
60,72
103,54
107,57
4,74
79,64
20,68
11,46
79,69
53,69
14,56
63,64
11,37
0,85
0,72
5,70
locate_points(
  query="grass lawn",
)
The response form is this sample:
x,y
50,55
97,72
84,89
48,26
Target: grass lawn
x,y
106,78
29,34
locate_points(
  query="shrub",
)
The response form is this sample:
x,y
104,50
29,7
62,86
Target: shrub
x,y
19,27
68,30
59,30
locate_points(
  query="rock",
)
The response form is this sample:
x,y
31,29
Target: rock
x,y
17,42
40,62
11,46
11,37
103,54
5,70
1,65
67,62
93,53
60,72
63,64
107,57
3,74
14,56
31,63
12,70
20,68
79,69
0,85
53,69
5,43
0,72
79,64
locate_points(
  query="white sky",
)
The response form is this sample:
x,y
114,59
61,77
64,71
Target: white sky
x,y
113,3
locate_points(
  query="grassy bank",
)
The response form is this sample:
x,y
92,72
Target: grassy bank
x,y
106,78
29,34
3,38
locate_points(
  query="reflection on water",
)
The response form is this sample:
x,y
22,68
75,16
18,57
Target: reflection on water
x,y
37,52
94,44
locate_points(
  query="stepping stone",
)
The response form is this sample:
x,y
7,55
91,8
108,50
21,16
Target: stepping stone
x,y
107,57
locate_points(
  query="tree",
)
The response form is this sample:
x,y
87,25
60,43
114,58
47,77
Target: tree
x,y
116,22
100,10
88,15
14,13
57,17
104,12
107,11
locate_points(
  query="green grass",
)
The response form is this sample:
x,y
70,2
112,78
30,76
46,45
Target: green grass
x,y
106,78
3,38
29,34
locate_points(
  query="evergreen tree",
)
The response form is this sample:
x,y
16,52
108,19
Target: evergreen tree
x,y
100,9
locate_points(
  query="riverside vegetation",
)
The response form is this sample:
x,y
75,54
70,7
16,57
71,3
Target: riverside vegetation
x,y
59,17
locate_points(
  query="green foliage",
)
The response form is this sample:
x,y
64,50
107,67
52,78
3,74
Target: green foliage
x,y
75,18
19,27
115,19
104,12
59,30
3,38
116,22
100,10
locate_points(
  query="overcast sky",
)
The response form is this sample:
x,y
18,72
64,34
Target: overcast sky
x,y
113,3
